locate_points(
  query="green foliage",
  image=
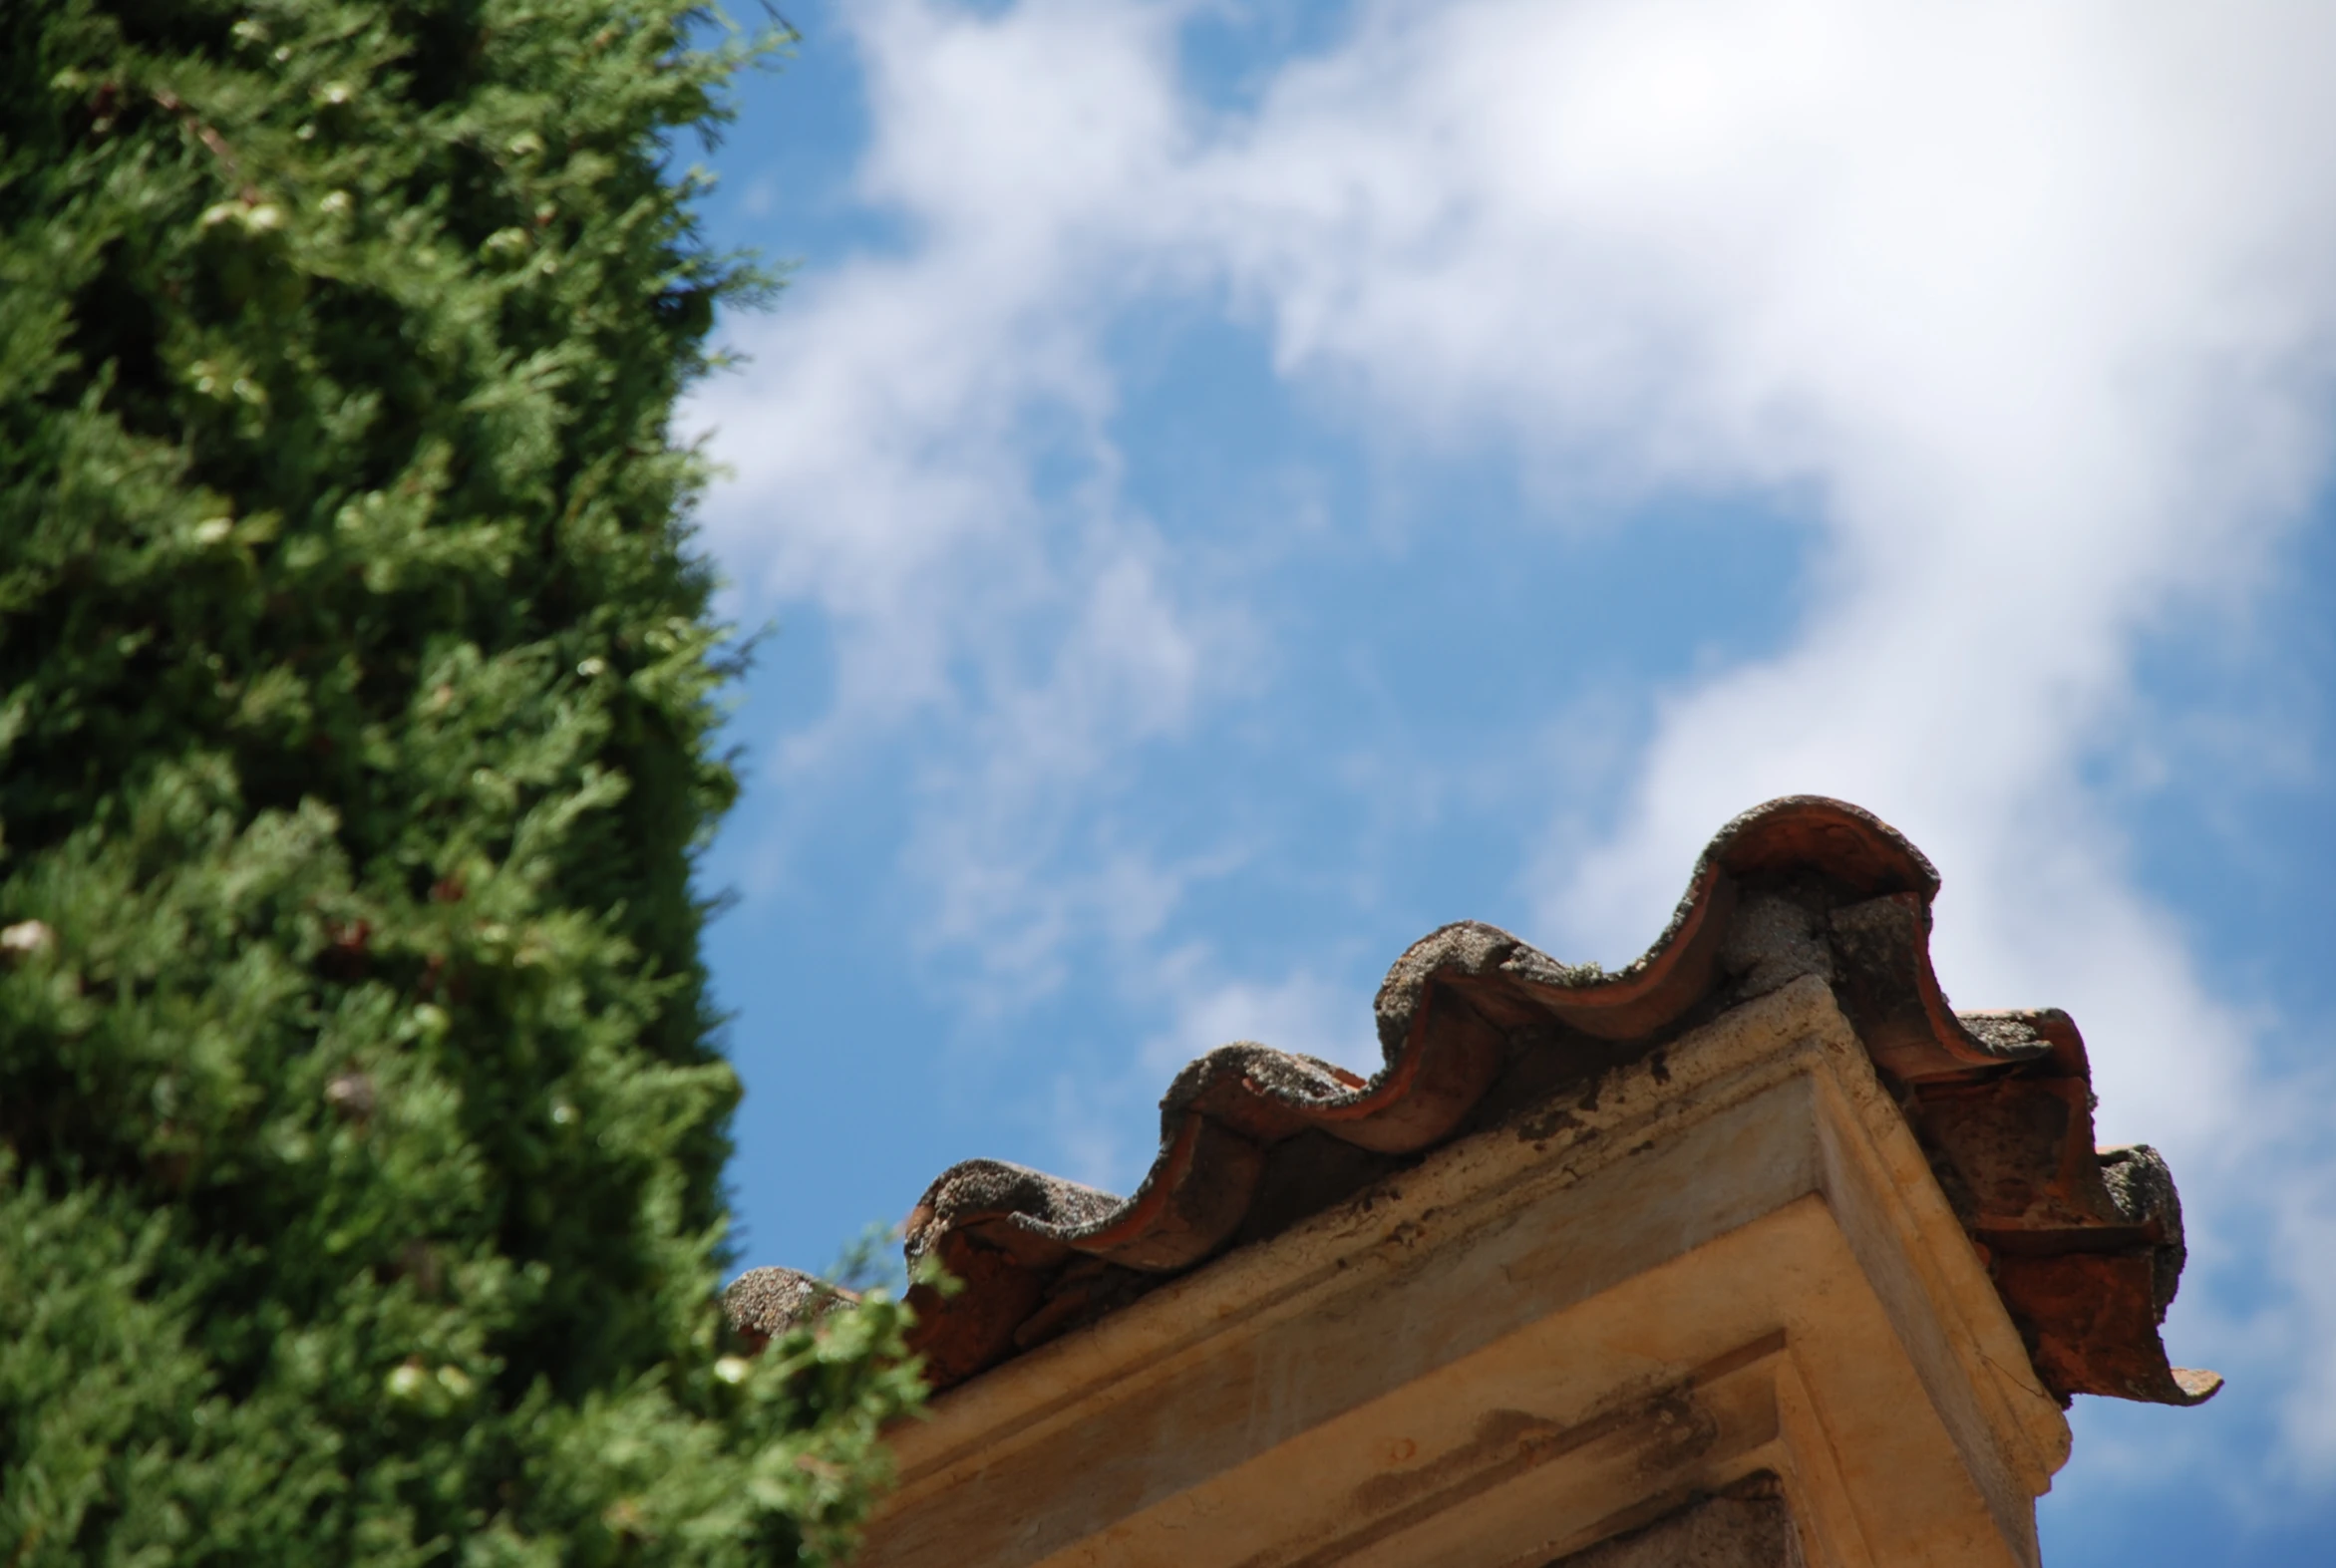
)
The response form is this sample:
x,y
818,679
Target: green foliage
x,y
361,1136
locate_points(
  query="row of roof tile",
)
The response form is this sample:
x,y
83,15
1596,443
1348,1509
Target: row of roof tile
x,y
1477,1027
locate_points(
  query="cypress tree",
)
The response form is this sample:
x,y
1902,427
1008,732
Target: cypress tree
x,y
361,1130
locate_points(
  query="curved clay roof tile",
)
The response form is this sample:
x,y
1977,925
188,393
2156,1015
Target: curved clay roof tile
x,y
2084,1248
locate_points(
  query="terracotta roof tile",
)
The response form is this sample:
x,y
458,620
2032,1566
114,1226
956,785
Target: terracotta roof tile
x,y
1475,1027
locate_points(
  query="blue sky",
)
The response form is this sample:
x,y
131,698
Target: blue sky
x,y
1234,486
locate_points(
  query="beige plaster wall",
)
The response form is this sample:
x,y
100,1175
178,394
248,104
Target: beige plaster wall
x,y
1735,1261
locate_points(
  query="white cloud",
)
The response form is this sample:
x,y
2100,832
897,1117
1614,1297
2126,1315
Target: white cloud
x,y
885,445
1104,1121
1301,1013
2035,299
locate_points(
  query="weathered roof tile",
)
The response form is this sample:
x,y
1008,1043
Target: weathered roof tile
x,y
1477,1027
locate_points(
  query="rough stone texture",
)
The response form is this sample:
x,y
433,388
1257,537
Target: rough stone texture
x,y
2143,1190
1714,1532
1477,1030
980,1190
763,1304
1774,940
